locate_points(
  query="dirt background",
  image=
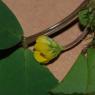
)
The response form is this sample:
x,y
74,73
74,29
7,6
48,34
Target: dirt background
x,y
36,15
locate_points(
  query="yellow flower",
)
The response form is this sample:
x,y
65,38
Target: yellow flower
x,y
46,49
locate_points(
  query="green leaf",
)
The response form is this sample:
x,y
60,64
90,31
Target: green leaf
x,y
10,30
81,78
84,17
87,18
76,79
91,70
20,74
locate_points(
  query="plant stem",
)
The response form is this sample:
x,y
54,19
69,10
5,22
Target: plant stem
x,y
77,40
58,26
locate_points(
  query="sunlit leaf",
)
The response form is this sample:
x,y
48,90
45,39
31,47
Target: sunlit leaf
x,y
20,74
10,29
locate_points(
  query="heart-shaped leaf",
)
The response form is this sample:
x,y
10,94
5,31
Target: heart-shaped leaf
x,y
81,78
10,29
20,74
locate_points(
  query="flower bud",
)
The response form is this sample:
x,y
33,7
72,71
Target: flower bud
x,y
46,49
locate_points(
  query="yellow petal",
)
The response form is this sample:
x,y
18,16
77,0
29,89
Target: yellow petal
x,y
39,57
41,47
44,49
42,39
49,55
47,47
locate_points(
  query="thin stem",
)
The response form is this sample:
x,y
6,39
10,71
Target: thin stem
x,y
77,40
58,26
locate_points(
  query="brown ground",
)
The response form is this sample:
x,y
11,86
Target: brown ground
x,y
36,15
